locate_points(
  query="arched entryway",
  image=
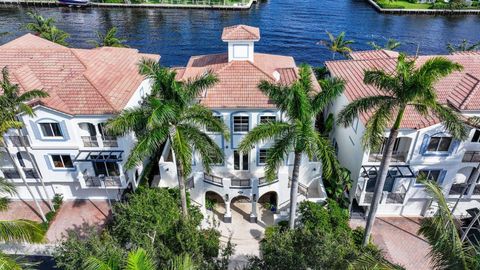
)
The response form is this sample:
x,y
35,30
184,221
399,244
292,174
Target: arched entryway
x,y
461,179
267,207
241,207
215,203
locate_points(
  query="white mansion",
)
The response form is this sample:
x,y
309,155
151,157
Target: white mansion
x,y
423,145
66,139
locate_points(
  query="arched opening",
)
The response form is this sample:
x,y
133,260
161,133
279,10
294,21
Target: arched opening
x,y
215,203
400,150
460,181
267,207
241,207
88,133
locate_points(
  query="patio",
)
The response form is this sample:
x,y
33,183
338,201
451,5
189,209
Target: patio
x,y
73,215
397,237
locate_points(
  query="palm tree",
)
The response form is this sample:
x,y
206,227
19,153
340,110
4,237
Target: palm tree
x,y
170,114
15,231
391,45
301,104
463,46
39,24
45,28
337,44
13,103
408,87
441,231
109,39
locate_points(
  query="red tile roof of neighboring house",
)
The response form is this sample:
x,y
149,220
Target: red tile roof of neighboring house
x,y
238,80
459,89
79,81
240,32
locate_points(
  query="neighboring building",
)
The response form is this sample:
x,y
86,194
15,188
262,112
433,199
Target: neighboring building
x,y
66,138
423,145
237,101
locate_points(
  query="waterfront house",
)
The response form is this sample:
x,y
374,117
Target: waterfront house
x,y
74,155
237,101
423,145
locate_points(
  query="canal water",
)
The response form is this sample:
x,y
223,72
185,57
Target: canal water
x,y
288,27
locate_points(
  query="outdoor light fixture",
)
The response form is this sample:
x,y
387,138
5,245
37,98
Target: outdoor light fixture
x,y
226,197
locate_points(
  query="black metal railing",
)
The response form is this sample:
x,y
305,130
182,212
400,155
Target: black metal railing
x,y
241,183
213,179
96,181
11,173
397,156
90,141
109,141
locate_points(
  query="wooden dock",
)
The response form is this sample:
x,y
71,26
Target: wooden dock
x,y
423,11
53,3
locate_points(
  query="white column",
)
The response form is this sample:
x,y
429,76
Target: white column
x,y
253,214
227,218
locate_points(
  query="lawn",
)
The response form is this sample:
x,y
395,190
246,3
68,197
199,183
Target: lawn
x,y
402,5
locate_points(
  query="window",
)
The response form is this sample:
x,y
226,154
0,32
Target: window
x,y
439,144
107,168
262,156
209,129
476,136
267,118
431,175
241,123
51,129
240,161
62,161
240,51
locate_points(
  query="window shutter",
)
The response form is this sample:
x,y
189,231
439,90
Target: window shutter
x,y
441,177
454,146
426,140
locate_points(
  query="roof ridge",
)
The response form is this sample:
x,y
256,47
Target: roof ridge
x,y
246,29
261,70
99,92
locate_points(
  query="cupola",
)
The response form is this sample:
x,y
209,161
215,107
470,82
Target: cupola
x,y
241,39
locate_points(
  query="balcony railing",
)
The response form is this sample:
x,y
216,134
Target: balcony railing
x,y
90,141
397,156
471,156
19,141
241,183
262,181
109,141
96,181
30,173
213,179
11,174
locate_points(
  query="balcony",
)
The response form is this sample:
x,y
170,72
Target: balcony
x,y
213,179
90,141
396,156
31,173
96,181
18,141
262,181
14,174
109,141
239,183
457,189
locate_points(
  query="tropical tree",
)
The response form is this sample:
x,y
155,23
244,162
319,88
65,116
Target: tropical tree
x,y
391,44
408,87
301,104
15,231
170,114
136,260
447,250
109,39
463,46
45,28
12,103
337,44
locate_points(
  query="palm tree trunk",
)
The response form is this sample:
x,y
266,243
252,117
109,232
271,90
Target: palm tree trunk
x,y
24,179
382,177
34,164
294,189
181,187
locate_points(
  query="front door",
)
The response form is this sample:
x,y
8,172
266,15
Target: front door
x,y
240,161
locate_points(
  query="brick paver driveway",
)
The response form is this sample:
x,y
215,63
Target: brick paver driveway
x,y
397,237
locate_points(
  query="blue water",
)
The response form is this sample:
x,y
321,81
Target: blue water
x,y
287,27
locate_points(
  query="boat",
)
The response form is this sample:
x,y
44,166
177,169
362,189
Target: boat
x,y
74,2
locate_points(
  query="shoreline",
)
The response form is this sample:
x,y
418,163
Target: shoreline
x,y
116,5
401,11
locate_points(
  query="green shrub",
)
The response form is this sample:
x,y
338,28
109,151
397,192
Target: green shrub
x,y
390,5
57,201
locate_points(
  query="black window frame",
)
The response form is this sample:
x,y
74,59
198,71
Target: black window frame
x,y
439,141
47,127
268,117
262,154
428,172
242,126
62,158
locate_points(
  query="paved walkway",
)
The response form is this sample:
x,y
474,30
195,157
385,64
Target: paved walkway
x,y
244,235
397,237
73,215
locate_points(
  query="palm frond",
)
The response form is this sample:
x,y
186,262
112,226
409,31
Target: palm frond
x,y
264,132
278,153
331,89
182,262
382,80
129,120
7,186
139,260
204,118
194,87
182,149
362,105
147,145
451,121
367,261
21,231
8,263
377,125
93,263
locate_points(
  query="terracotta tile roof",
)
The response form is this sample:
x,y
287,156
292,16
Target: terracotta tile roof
x,y
460,89
240,32
238,80
373,54
79,81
